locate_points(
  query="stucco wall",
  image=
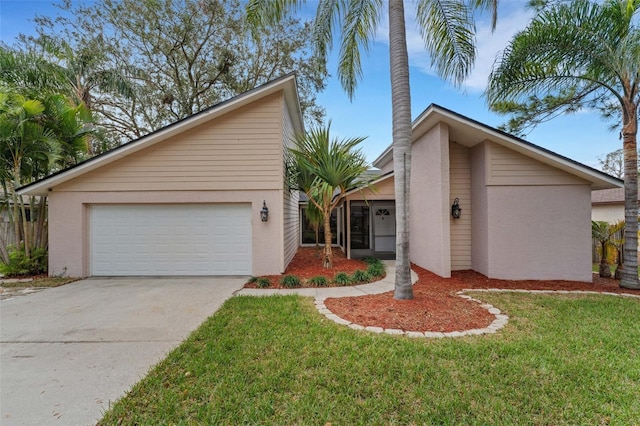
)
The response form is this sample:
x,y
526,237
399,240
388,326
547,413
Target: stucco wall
x,y
539,232
69,235
480,225
429,212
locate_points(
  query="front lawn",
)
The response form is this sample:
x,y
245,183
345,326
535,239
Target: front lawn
x,y
274,360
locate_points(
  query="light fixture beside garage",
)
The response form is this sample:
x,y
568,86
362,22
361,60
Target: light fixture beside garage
x,y
264,213
455,209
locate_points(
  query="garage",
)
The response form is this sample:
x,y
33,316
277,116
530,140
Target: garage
x,y
170,239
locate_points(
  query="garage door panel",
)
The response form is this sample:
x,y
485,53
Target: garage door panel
x,y
170,240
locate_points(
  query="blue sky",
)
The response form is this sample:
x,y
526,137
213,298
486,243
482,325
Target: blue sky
x,y
583,137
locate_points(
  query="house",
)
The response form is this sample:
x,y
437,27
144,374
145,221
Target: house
x,y
188,200
607,205
526,211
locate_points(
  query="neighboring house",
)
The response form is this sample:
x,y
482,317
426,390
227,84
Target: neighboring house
x,y
186,200
607,205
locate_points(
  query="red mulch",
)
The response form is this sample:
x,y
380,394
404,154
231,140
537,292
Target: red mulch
x,y
435,307
307,263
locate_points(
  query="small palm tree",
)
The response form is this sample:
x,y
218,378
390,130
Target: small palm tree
x,y
617,241
601,232
325,169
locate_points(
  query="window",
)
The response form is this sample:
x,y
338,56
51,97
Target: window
x,y
359,227
309,233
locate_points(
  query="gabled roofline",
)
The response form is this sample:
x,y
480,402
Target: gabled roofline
x,y
287,83
436,113
378,179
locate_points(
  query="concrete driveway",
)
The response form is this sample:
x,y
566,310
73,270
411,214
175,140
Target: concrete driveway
x,y
67,353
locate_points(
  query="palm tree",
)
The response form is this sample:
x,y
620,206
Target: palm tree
x,y
448,31
601,232
576,53
326,168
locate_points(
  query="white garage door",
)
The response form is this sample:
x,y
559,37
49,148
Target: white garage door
x,y
194,239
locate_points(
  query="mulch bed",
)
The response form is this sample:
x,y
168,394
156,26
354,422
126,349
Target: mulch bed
x,y
307,263
435,306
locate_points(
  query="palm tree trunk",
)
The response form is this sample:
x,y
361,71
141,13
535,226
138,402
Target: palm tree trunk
x,y
327,257
629,276
401,112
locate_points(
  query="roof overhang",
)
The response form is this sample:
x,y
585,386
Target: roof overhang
x,y
470,133
287,84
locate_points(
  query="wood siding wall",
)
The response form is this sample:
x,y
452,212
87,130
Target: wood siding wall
x,y
460,187
507,167
291,222
238,151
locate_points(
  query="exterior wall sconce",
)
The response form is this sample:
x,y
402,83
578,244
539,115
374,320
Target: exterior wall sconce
x,y
456,211
264,213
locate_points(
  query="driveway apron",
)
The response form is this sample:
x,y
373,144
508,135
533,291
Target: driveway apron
x,y
67,353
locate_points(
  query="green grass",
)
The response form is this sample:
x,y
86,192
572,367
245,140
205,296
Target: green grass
x,y
275,360
39,282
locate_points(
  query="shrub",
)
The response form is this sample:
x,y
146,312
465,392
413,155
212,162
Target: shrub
x,y
290,281
262,282
252,280
375,269
20,264
369,260
360,276
319,281
342,278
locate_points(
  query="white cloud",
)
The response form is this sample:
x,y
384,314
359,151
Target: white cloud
x,y
489,43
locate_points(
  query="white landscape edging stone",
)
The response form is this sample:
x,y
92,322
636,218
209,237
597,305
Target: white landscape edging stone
x,y
497,324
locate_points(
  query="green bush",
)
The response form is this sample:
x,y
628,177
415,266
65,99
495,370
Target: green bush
x,y
375,269
290,281
20,264
360,276
369,260
319,281
342,278
252,280
262,282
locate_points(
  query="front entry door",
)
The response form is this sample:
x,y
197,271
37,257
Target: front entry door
x,y
384,229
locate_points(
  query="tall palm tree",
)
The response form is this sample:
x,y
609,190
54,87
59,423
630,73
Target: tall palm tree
x,y
576,53
448,31
326,168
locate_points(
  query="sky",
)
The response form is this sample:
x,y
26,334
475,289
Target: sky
x,y
583,137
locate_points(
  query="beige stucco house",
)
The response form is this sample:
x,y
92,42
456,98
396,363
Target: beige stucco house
x,y
184,200
187,200
526,211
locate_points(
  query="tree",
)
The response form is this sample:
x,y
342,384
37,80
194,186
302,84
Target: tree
x,y
325,168
580,53
448,32
37,137
601,232
177,57
613,163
